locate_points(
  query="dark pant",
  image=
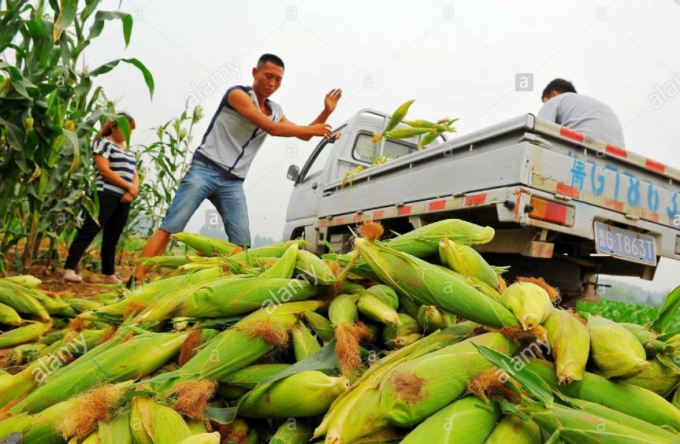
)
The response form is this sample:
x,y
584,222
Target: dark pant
x,y
113,216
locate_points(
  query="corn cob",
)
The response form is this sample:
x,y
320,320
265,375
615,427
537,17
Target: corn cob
x,y
343,310
515,430
83,305
161,424
242,381
411,390
428,139
397,117
349,287
407,133
386,294
9,316
153,263
430,318
270,251
430,286
26,353
657,378
468,262
305,343
424,241
625,398
228,297
22,301
409,306
293,432
614,350
133,359
321,326
117,429
25,280
207,246
21,335
375,309
569,341
530,303
300,395
467,420
400,335
202,438
51,305
314,269
251,338
573,426
285,266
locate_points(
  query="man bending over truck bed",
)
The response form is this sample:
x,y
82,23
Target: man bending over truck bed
x,y
581,113
236,132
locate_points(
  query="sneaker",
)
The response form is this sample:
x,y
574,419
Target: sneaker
x,y
71,276
112,279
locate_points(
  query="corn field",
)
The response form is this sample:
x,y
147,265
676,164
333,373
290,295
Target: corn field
x,y
406,340
49,108
624,312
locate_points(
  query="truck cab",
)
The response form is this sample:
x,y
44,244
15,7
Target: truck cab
x,y
565,206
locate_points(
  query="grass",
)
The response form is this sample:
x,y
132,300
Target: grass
x,y
624,312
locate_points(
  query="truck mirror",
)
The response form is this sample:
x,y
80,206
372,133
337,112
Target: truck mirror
x,y
293,173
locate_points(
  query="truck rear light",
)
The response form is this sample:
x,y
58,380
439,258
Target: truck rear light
x,y
551,212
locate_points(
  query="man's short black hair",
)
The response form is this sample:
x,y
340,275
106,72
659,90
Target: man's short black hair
x,y
269,58
559,85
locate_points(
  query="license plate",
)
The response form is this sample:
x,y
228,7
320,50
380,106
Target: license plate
x,y
625,244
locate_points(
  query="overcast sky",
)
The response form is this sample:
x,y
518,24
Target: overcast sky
x,y
456,58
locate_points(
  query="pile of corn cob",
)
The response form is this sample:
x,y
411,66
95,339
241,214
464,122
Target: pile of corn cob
x,y
411,339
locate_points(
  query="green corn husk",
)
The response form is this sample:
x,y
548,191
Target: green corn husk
x,y
615,351
304,394
349,287
407,133
570,344
244,258
649,340
117,429
397,117
242,381
343,309
426,124
202,438
296,431
22,335
9,316
13,387
154,263
468,420
151,422
305,343
52,305
25,280
574,426
386,294
516,431
430,319
285,266
428,139
400,335
22,301
25,354
83,305
207,246
229,297
241,345
530,303
468,262
411,390
429,286
475,283
321,326
133,359
676,399
74,344
656,378
625,398
314,269
409,306
197,427
375,309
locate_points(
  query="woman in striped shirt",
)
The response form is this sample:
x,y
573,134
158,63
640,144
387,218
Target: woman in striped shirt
x,y
117,186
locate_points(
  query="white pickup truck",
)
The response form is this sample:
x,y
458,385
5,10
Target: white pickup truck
x,y
565,206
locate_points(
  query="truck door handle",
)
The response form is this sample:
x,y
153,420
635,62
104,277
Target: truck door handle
x,y
327,193
315,186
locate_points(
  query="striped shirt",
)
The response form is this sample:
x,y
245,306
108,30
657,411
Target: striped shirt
x,y
121,162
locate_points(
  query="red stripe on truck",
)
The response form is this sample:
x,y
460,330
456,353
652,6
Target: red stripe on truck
x,y
571,134
566,190
404,210
437,205
654,217
357,218
616,151
323,223
475,199
614,205
379,214
655,166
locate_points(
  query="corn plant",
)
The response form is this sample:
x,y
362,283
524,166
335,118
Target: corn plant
x,y
48,112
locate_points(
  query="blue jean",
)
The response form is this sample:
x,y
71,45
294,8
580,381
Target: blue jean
x,y
202,182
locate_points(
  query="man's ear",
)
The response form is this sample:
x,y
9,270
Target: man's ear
x,y
554,94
